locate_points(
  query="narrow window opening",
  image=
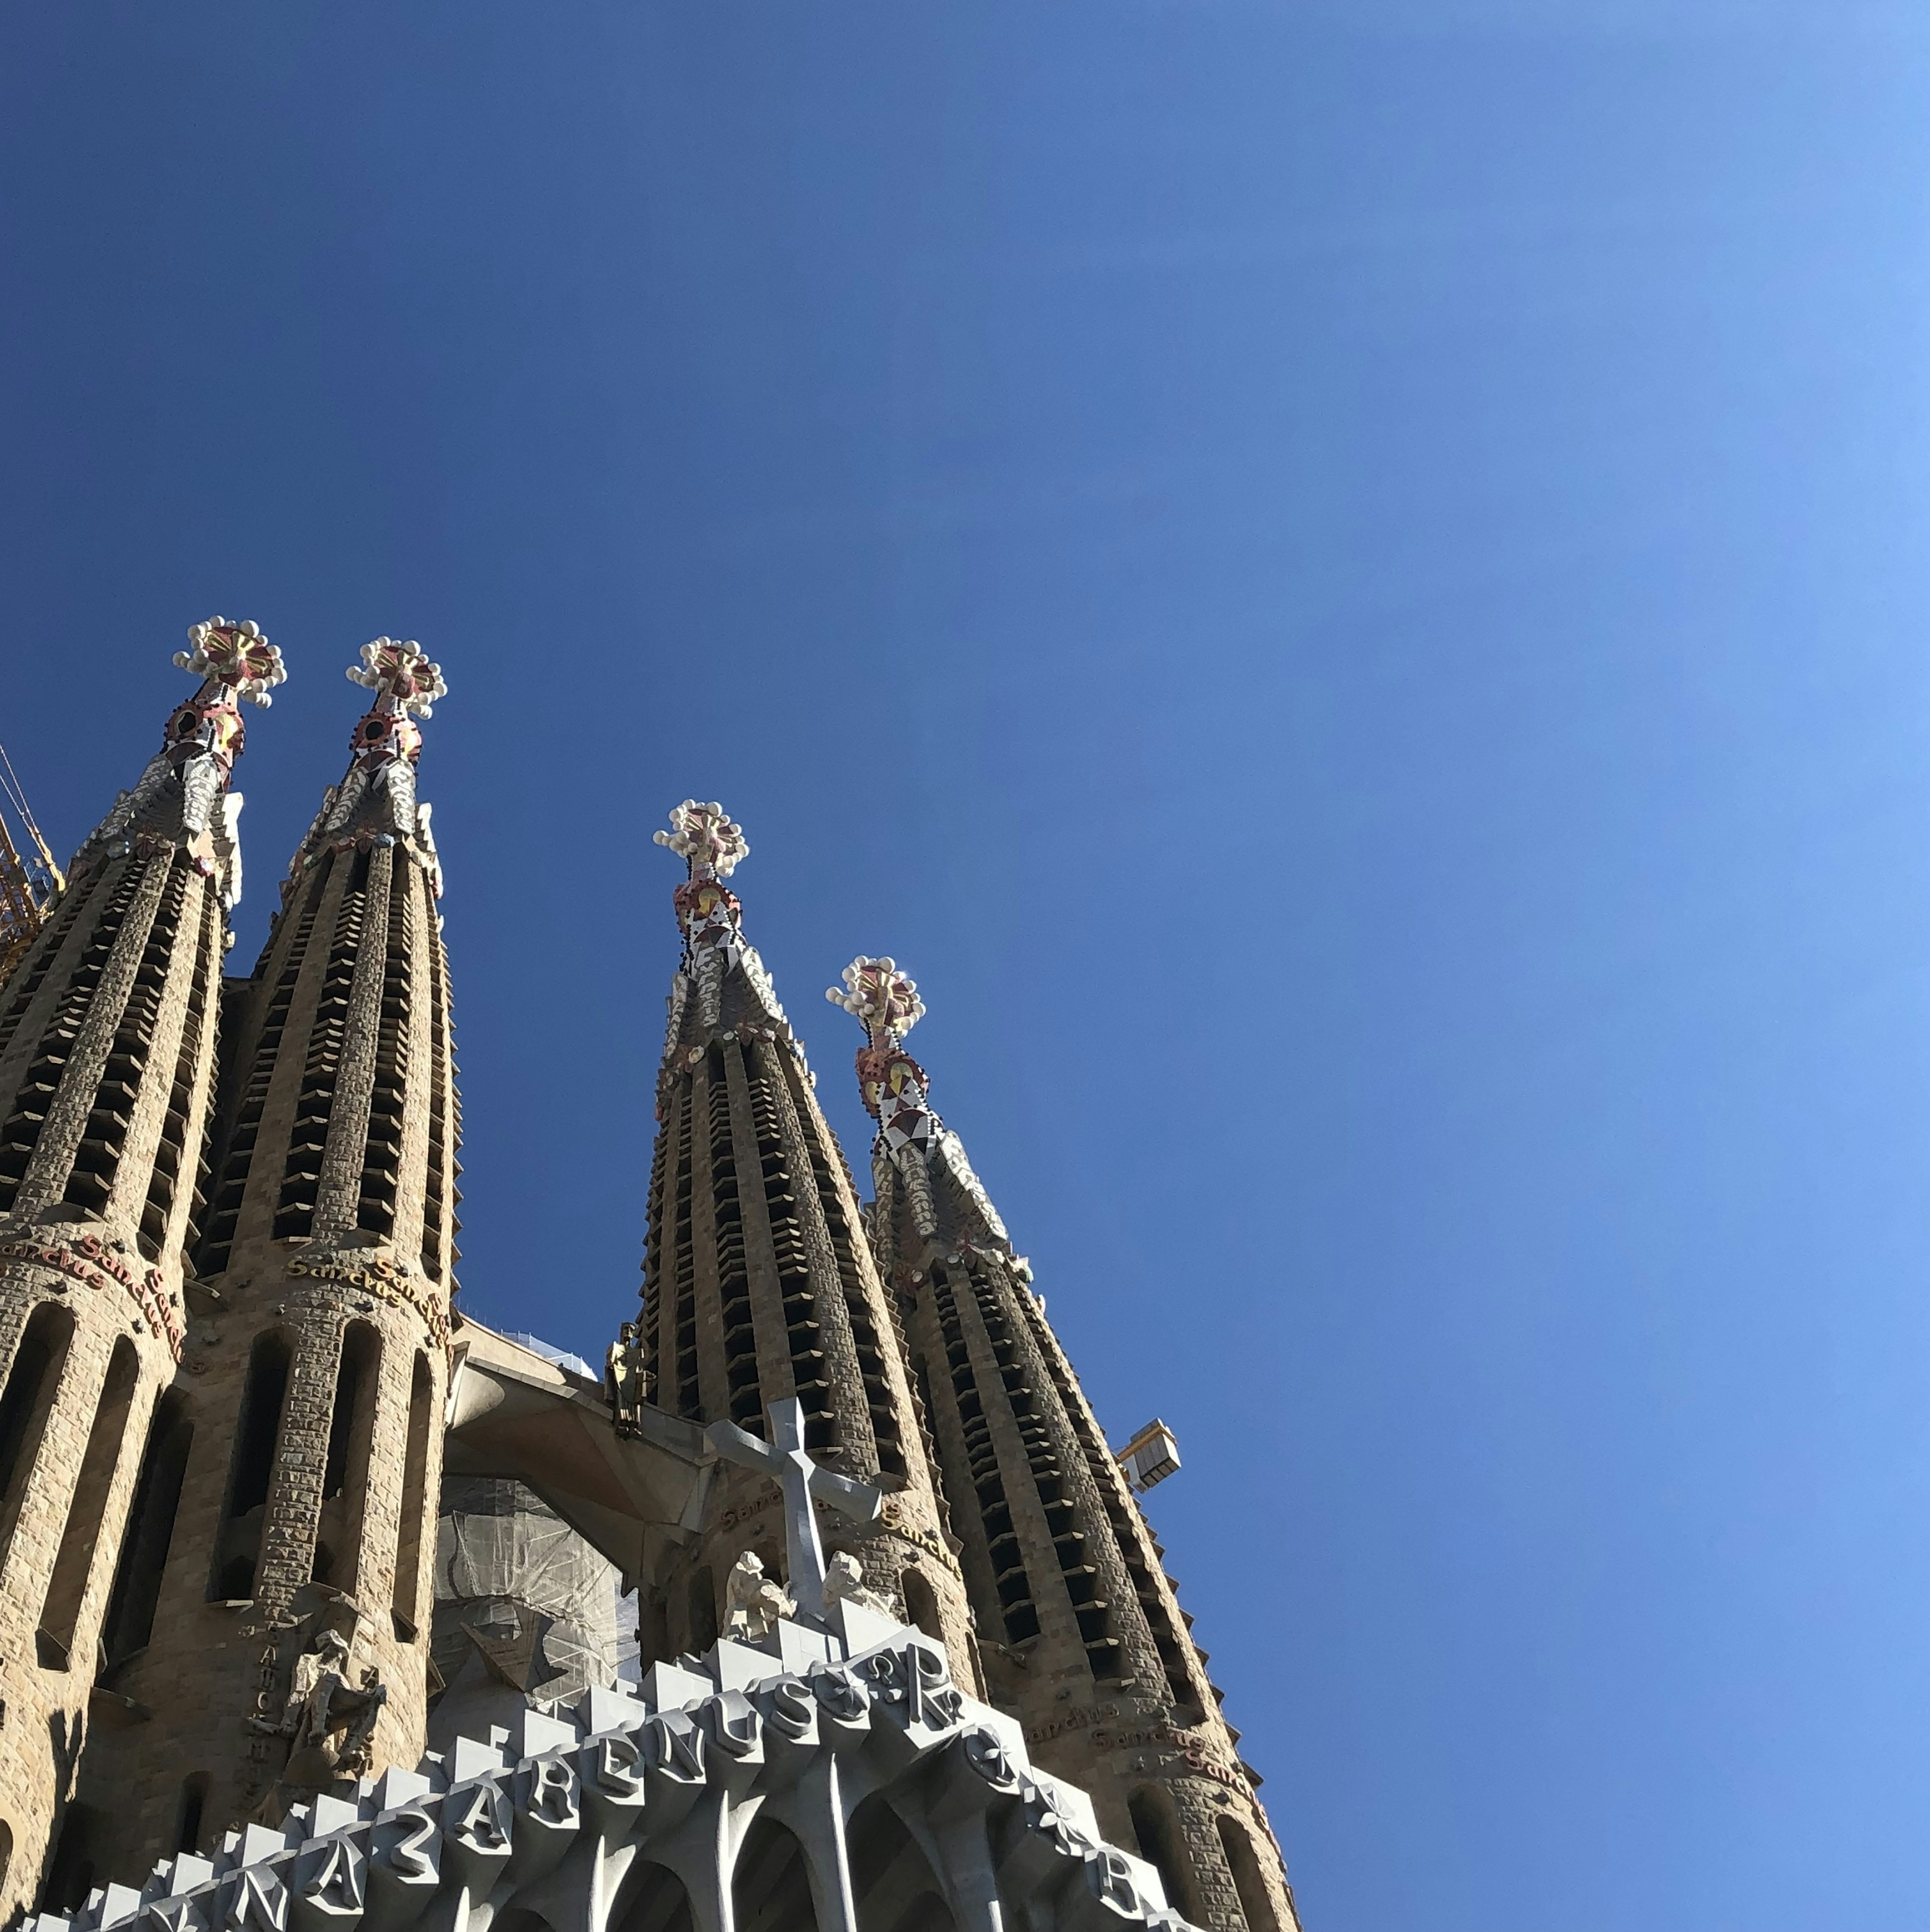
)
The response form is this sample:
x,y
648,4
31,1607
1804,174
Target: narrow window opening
x,y
770,1886
345,1474
24,1406
1150,1812
66,1588
921,1604
405,1598
702,1602
130,1609
193,1806
70,1870
1248,1880
237,1548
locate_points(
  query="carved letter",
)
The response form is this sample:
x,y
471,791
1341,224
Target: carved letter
x,y
552,1794
254,1896
790,1710
1111,1878
616,1768
481,1819
414,1855
332,1885
733,1723
680,1747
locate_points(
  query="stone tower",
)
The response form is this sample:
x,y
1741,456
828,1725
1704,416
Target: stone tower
x,y
286,1516
759,1285
107,1046
1085,1641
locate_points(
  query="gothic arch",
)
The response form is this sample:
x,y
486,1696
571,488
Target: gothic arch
x,y
1156,1826
656,1901
1249,1880
770,1884
891,1879
32,1379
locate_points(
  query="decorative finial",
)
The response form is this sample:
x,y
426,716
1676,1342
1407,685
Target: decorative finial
x,y
877,994
401,671
376,804
236,655
713,842
891,1084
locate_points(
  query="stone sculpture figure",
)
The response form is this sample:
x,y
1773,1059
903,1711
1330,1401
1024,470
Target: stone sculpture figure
x,y
321,1703
844,1583
753,1603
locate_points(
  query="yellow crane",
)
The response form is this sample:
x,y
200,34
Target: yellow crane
x,y
28,887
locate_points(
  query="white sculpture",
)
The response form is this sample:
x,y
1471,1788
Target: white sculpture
x,y
844,1583
752,1603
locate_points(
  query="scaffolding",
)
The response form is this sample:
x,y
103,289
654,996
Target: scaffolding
x,y
29,883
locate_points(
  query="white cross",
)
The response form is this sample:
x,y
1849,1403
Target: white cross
x,y
786,1457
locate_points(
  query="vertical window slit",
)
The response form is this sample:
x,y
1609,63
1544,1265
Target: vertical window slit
x,y
406,1593
251,1465
31,1381
136,1592
74,1564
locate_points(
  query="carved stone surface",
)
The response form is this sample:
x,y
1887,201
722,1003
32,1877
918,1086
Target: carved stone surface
x,y
605,1800
754,1604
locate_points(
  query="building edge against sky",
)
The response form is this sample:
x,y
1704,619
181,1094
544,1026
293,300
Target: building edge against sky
x,y
234,1369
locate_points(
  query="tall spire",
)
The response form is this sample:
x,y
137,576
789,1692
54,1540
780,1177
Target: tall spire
x,y
322,1312
758,1285
1089,1647
107,1063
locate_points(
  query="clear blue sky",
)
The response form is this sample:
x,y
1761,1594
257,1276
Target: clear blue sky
x,y
1346,584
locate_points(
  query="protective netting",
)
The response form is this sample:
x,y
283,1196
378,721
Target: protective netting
x,y
513,1576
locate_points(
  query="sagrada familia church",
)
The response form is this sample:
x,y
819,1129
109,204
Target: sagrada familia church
x,y
309,1584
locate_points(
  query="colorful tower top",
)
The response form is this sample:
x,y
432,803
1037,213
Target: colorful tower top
x,y
183,798
913,1147
732,992
375,803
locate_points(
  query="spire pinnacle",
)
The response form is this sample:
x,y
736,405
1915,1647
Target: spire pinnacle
x,y
892,1083
375,804
235,656
707,837
711,919
885,1000
182,797
912,1140
401,675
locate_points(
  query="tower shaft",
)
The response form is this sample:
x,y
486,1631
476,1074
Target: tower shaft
x,y
1084,1638
108,1025
296,1504
759,1285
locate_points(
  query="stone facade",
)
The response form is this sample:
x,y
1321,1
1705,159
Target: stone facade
x,y
228,1333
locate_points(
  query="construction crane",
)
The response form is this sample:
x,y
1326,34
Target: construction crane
x,y
28,886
